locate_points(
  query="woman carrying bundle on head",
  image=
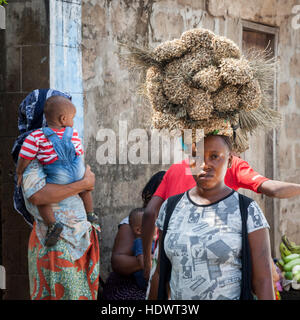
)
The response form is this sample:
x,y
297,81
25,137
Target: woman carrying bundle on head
x,y
202,81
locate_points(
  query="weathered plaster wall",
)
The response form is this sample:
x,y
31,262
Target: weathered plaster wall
x,y
24,66
65,55
111,91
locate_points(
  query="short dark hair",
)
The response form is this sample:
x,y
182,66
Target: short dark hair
x,y
55,105
133,215
151,187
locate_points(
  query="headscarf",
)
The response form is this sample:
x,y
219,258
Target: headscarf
x,y
30,117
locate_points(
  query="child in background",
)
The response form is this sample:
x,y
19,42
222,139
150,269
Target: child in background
x,y
135,222
58,148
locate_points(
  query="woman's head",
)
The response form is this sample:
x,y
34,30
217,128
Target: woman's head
x,y
151,187
217,159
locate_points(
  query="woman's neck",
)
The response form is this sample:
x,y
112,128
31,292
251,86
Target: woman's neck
x,y
208,196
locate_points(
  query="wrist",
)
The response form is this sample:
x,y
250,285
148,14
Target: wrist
x,y
81,185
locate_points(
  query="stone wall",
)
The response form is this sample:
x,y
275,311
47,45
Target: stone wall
x,y
111,92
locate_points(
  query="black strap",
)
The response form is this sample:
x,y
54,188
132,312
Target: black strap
x,y
165,264
246,292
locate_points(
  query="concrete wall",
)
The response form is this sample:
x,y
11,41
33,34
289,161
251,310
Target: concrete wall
x,y
24,66
111,91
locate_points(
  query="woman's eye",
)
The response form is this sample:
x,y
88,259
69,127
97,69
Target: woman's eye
x,y
214,156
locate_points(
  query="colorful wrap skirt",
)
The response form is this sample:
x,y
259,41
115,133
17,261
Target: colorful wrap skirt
x,y
53,275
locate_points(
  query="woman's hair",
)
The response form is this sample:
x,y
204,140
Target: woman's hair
x,y
228,141
151,187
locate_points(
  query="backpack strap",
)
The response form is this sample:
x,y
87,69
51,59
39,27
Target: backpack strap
x,y
246,292
165,264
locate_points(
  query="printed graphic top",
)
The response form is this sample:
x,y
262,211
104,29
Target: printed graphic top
x,y
203,243
36,145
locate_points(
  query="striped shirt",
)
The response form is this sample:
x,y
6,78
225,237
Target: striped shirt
x,y
36,145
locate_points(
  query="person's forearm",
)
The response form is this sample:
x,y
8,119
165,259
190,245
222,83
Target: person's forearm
x,y
262,279
21,166
54,193
279,189
148,228
124,264
154,287
140,259
263,289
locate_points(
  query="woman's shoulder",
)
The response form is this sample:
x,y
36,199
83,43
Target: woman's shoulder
x,y
124,221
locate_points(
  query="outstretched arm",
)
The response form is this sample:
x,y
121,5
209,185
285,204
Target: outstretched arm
x,y
247,178
279,189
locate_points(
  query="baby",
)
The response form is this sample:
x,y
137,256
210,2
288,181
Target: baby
x,y
58,148
135,222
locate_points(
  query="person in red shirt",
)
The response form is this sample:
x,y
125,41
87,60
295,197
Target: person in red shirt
x,y
240,175
176,181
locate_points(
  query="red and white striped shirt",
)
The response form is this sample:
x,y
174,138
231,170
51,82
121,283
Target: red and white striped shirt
x,y
36,145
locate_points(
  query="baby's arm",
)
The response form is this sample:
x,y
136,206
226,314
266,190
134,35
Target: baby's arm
x,y
87,199
27,153
138,251
140,259
21,166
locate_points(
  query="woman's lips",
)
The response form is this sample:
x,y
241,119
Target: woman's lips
x,y
204,175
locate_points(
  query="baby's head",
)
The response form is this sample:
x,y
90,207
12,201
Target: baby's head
x,y
135,220
59,111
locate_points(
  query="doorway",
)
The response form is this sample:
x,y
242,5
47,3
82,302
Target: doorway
x,y
263,160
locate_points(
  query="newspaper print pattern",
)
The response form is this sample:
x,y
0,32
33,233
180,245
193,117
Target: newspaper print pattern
x,y
203,244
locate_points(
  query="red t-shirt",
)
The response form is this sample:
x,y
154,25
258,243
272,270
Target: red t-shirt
x,y
240,175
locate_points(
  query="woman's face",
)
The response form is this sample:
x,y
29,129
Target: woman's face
x,y
217,158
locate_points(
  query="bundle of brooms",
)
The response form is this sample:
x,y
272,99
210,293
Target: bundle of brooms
x,y
202,81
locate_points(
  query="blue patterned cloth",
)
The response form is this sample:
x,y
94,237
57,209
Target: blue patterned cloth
x,y
70,212
30,117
